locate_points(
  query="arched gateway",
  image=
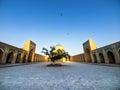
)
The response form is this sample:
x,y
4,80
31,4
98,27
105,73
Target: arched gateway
x,y
30,55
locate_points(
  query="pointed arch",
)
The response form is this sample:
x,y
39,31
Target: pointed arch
x,y
102,60
1,55
10,57
111,57
88,56
30,55
95,58
24,58
119,53
18,59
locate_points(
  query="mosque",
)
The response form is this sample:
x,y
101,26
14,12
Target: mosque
x,y
109,54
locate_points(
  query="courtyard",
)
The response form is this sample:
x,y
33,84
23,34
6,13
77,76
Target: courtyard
x,y
70,76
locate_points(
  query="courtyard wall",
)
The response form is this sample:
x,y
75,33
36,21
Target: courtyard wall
x,y
10,54
109,54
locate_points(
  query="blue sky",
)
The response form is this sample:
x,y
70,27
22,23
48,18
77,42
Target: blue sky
x,y
68,22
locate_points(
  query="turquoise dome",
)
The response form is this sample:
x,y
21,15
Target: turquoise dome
x,y
58,45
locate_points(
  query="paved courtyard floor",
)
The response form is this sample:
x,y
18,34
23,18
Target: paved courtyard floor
x,y
71,76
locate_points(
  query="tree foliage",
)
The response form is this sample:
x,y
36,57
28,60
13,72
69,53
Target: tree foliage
x,y
55,55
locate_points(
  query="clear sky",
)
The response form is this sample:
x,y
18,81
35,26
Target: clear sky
x,y
67,22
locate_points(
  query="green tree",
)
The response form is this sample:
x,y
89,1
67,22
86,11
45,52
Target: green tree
x,y
55,55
